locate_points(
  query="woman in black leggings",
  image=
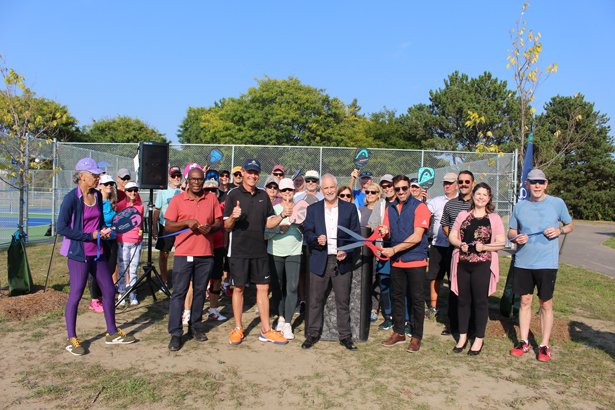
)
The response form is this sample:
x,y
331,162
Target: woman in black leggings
x,y
477,235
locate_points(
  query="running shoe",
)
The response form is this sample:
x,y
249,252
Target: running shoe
x,y
186,317
408,330
119,338
431,313
214,314
134,302
280,325
236,336
544,354
74,347
96,306
287,332
386,325
273,337
520,349
373,316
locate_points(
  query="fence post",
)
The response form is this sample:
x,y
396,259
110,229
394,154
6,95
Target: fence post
x,y
422,158
54,154
319,162
232,156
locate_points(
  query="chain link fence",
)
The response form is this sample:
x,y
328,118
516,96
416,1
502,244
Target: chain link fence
x,y
48,187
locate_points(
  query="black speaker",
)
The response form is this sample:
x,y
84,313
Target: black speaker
x,y
153,165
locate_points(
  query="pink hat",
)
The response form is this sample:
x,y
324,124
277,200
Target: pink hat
x,y
278,168
190,167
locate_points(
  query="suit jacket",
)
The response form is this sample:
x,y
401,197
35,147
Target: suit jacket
x,y
314,226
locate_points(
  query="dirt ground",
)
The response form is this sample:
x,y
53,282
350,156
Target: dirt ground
x,y
38,373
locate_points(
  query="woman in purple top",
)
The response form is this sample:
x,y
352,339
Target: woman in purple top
x,y
81,223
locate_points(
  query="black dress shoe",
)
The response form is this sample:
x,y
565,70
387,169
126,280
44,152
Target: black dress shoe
x,y
475,352
347,343
309,342
175,344
199,336
460,349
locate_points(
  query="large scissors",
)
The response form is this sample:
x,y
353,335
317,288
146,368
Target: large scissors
x,y
360,241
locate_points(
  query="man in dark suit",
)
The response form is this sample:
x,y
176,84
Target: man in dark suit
x,y
327,264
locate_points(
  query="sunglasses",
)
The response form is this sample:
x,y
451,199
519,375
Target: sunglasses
x,y
225,175
446,183
132,190
278,174
271,186
176,176
287,190
372,192
109,183
237,174
536,181
311,180
210,189
125,179
386,186
401,188
464,181
345,195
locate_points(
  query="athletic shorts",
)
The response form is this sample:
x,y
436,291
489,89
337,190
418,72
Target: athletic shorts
x,y
439,262
164,244
524,281
216,273
246,270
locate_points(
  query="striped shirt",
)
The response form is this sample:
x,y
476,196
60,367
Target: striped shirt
x,y
452,209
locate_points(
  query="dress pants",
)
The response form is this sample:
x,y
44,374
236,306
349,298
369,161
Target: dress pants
x,y
403,281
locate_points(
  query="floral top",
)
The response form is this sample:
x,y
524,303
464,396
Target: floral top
x,y
473,230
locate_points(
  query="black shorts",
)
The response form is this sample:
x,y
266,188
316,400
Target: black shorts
x,y
439,262
164,244
245,270
525,280
216,273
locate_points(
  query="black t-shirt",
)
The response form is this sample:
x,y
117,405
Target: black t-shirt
x,y
247,239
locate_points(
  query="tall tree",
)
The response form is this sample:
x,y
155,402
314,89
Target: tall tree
x,y
573,145
121,129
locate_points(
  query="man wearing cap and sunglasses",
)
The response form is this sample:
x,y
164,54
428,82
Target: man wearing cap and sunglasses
x,y
163,198
237,176
312,188
535,225
365,177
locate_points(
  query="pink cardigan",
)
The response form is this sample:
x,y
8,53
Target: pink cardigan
x,y
497,228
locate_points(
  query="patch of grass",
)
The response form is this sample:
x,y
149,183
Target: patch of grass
x,y
610,243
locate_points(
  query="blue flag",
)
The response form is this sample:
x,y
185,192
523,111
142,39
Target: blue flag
x,y
528,164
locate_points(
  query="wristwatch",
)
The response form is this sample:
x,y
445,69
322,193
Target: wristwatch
x,y
561,231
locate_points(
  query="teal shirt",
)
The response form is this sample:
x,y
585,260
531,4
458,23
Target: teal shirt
x,y
284,244
162,201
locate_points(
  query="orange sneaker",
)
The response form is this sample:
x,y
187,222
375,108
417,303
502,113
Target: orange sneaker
x,y
236,336
273,337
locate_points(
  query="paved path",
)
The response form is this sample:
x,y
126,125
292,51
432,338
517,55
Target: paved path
x,y
583,247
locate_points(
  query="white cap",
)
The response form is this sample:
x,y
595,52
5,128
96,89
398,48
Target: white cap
x,y
105,178
286,183
312,174
130,184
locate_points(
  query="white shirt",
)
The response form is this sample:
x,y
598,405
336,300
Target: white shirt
x,y
331,225
436,207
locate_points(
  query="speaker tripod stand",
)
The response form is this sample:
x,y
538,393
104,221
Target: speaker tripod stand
x,y
149,269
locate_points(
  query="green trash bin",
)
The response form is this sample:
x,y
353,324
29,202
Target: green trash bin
x,y
20,278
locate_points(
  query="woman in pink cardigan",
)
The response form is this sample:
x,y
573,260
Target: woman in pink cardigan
x,y
477,235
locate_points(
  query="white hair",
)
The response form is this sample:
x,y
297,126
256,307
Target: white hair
x,y
330,176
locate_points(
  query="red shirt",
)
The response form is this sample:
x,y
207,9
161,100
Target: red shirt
x,y
422,216
205,210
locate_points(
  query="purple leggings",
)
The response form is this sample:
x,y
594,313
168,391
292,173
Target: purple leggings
x,y
78,272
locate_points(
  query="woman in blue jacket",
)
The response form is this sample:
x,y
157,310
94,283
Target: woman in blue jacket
x,y
81,223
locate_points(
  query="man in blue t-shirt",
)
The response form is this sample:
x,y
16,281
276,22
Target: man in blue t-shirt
x,y
165,245
535,227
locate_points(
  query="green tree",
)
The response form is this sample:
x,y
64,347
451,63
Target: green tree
x,y
387,129
575,149
277,112
121,129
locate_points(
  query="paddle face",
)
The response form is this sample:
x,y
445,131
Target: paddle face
x,y
215,156
297,173
310,199
361,157
426,177
126,220
299,212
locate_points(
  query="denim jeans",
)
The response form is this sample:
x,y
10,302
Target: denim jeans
x,y
128,256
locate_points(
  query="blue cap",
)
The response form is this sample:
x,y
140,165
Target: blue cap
x,y
252,165
365,174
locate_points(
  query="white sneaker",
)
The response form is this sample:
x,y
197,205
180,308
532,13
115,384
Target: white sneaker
x,y
287,331
123,302
185,317
281,322
134,302
214,314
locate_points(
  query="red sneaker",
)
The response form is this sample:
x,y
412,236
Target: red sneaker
x,y
521,349
544,354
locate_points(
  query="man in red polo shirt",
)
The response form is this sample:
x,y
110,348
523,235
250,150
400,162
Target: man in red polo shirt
x,y
199,211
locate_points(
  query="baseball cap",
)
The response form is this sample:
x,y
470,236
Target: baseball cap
x,y
286,183
174,170
278,168
450,177
130,184
312,174
414,182
123,173
210,183
212,174
536,174
271,180
225,171
105,178
88,164
252,164
236,169
386,178
366,174
190,166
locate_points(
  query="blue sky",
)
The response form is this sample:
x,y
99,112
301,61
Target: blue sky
x,y
152,59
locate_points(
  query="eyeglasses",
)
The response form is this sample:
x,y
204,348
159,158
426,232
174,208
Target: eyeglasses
x,y
345,195
464,181
287,190
536,181
311,180
272,186
210,189
403,188
237,174
386,186
198,180
124,178
132,190
278,174
372,192
109,183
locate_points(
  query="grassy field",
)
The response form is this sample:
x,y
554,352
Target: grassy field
x,y
610,243
256,375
